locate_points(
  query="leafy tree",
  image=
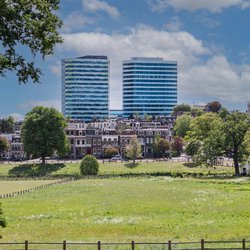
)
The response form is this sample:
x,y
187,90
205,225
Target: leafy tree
x,y
223,113
4,144
89,165
182,108
111,151
177,146
213,107
161,146
120,127
7,125
133,150
236,129
207,130
2,219
43,133
27,24
196,111
182,125
192,148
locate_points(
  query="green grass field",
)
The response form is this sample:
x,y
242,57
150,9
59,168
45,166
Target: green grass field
x,y
14,186
140,209
112,168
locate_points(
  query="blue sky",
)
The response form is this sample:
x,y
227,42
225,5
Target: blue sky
x,y
210,39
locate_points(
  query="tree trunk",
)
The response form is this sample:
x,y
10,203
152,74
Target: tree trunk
x,y
133,161
236,162
43,159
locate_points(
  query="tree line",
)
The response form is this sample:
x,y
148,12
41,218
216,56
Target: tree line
x,y
215,133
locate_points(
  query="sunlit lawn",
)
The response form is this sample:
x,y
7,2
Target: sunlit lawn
x,y
140,209
7,187
111,168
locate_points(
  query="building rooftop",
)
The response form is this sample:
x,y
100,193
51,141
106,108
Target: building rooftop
x,y
92,57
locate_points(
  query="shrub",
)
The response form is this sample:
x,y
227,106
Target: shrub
x,y
89,165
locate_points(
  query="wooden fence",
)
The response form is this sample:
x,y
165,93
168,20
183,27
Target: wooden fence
x,y
25,191
168,245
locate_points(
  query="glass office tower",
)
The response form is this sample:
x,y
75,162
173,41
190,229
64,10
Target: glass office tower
x,y
149,86
85,88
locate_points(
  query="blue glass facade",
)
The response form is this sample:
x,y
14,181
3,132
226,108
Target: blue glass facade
x,y
85,87
149,86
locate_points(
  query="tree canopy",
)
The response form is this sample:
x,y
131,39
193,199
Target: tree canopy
x,y
207,131
182,107
213,107
4,144
161,147
43,133
182,125
27,24
7,125
2,219
236,128
213,135
133,150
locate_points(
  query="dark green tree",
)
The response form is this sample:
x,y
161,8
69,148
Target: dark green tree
x,y
2,219
182,125
192,148
43,133
236,127
161,147
27,24
177,146
213,107
4,144
89,165
7,125
207,130
223,113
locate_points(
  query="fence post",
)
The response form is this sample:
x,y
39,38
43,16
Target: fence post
x,y
99,245
169,245
244,244
64,245
26,245
133,245
202,244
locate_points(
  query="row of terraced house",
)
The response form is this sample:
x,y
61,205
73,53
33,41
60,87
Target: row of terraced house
x,y
93,138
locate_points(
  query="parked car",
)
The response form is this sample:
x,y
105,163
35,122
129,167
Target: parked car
x,y
116,158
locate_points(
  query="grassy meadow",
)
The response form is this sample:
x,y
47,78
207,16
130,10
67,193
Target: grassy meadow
x,y
114,168
140,209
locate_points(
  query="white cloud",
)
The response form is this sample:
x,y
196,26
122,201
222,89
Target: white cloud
x,y
56,68
98,5
202,73
17,117
174,25
75,21
142,41
28,105
194,5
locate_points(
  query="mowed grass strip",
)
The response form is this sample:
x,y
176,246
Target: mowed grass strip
x,y
112,168
140,209
15,186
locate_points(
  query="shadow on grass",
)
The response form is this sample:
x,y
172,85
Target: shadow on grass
x,y
189,165
131,165
35,169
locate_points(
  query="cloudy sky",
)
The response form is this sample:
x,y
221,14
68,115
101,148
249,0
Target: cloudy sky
x,y
210,39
